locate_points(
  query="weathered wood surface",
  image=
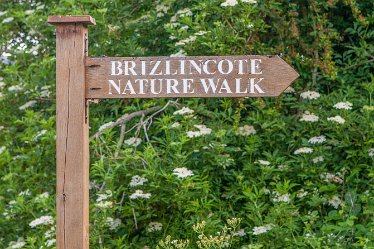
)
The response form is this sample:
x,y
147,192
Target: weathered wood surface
x,y
193,76
72,138
84,19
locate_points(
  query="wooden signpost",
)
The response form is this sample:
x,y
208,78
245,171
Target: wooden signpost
x,y
80,78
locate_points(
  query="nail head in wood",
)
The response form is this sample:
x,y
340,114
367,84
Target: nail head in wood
x,y
86,19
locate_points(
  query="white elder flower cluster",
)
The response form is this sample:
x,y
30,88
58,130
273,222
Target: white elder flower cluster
x,y
184,111
15,88
318,159
343,105
25,193
370,152
335,201
184,12
309,117
182,172
140,195
175,125
42,196
8,20
113,223
262,229
232,3
40,134
328,177
317,140
303,150
180,53
202,130
101,201
246,130
137,181
337,119
161,10
278,197
104,204
310,95
288,89
101,197
239,233
50,233
50,242
27,105
17,244
264,162
43,220
133,141
187,40
2,149
154,227
301,193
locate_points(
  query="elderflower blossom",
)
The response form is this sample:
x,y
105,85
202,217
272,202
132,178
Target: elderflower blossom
x,y
184,110
309,117
2,149
370,152
104,204
113,223
154,226
7,20
184,12
139,194
17,244
27,105
43,220
310,95
303,150
239,233
302,193
180,53
39,134
328,177
264,162
201,32
288,89
133,141
175,125
338,119
262,229
101,197
343,105
335,201
182,172
230,3
249,1
246,130
281,198
15,88
50,233
50,242
317,140
318,159
42,196
3,13
203,130
137,181
161,10
189,39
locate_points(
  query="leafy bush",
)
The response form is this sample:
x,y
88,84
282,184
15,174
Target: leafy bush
x,y
288,172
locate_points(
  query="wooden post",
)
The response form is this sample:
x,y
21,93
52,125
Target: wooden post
x,y
72,138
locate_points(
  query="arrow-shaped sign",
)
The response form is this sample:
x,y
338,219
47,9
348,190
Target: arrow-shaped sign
x,y
192,76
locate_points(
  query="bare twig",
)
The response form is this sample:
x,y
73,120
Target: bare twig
x,y
126,118
120,140
135,221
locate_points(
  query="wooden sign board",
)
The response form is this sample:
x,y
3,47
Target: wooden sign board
x,y
193,76
79,78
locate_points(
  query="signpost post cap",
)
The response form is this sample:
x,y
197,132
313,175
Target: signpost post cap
x,y
85,19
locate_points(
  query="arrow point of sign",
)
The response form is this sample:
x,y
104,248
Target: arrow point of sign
x,y
286,75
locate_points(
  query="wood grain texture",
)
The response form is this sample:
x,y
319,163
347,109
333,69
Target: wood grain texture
x,y
72,138
277,76
84,19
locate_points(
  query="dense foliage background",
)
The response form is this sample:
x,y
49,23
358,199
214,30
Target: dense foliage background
x,y
294,171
